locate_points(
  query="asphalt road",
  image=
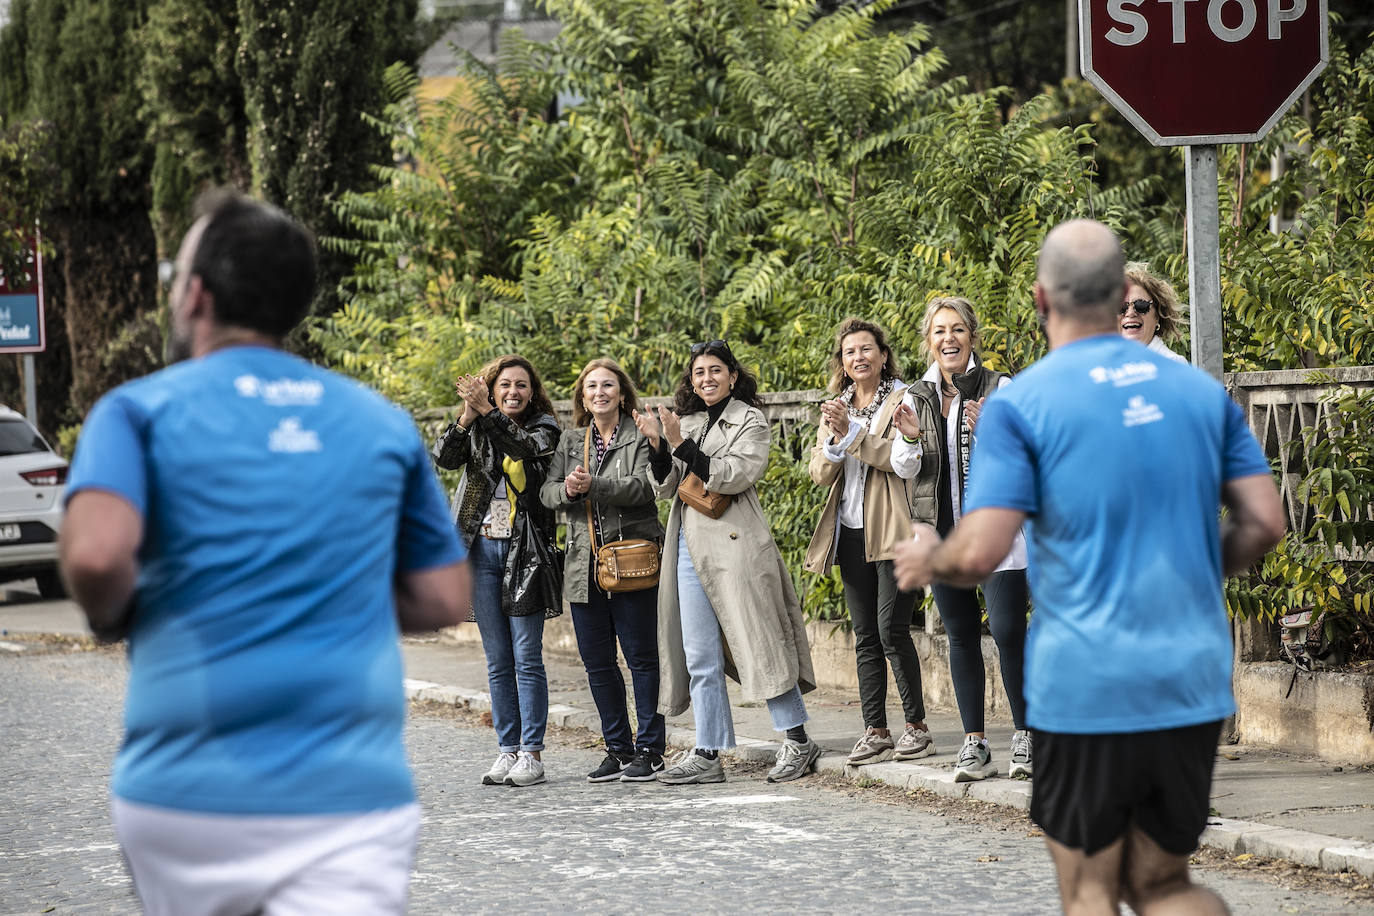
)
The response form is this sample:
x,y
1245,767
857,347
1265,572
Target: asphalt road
x,y
566,846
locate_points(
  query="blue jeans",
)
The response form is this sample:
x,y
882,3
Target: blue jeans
x,y
514,647
701,642
633,617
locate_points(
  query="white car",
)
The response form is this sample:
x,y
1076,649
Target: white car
x,y
33,478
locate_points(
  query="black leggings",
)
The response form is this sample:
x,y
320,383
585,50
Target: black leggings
x,y
1008,600
881,614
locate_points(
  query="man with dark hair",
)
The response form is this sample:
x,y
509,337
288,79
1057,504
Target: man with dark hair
x,y
1128,659
261,529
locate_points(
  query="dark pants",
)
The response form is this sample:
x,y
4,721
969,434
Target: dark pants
x,y
881,615
1008,601
633,617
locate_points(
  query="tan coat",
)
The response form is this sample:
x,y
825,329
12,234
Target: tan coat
x,y
739,566
887,507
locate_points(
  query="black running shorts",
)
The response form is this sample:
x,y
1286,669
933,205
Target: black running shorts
x,y
1089,789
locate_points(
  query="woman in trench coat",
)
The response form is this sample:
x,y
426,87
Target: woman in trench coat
x,y
726,602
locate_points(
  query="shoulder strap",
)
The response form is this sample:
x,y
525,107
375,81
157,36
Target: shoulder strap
x,y
586,461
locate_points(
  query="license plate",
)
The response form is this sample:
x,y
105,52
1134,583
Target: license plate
x,y
10,533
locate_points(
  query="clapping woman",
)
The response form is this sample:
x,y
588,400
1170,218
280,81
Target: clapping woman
x,y
599,480
504,440
726,602
954,390
867,512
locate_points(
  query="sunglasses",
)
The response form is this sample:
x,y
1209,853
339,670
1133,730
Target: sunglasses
x,y
1141,306
705,345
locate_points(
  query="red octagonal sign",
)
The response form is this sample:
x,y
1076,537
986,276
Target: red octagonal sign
x,y
1202,71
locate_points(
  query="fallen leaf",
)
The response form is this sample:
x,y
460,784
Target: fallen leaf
x,y
989,859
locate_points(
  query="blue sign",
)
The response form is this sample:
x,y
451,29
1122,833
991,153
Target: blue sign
x,y
21,323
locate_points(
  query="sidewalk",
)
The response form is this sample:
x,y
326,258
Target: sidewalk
x,y
1308,811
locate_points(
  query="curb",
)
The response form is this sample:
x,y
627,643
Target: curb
x,y
1314,850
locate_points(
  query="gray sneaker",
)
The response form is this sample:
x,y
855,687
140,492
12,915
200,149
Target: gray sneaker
x,y
974,761
1020,756
526,772
690,768
794,760
914,744
871,748
499,770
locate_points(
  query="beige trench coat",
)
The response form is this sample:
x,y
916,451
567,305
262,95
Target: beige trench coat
x,y
739,566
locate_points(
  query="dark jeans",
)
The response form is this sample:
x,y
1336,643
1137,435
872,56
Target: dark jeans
x,y
633,617
881,615
1008,600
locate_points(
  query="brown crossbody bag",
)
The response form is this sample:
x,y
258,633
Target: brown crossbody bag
x,y
628,565
693,493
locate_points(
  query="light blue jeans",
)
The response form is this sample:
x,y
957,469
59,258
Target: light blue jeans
x,y
701,642
514,647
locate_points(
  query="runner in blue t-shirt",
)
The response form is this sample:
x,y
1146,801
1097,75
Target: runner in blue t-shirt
x,y
1128,659
261,530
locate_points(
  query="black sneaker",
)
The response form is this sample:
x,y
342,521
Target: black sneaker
x,y
644,768
610,768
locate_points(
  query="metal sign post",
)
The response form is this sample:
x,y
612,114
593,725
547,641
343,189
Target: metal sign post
x,y
1204,258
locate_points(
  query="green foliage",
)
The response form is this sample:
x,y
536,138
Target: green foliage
x,y
1303,297
733,169
1324,566
307,69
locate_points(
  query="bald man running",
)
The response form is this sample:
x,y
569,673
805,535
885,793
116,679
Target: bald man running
x,y
1128,658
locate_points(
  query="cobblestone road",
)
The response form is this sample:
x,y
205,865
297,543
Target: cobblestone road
x,y
564,846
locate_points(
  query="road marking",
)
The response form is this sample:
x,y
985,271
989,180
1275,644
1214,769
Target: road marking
x,y
11,647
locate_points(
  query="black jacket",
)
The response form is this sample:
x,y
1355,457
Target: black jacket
x,y
532,582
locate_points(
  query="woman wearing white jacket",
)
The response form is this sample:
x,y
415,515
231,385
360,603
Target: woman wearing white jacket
x,y
956,386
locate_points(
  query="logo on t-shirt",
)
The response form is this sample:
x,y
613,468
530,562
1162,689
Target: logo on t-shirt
x,y
281,392
1139,411
289,437
1126,374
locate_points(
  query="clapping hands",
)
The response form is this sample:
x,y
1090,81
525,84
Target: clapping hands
x,y
836,416
476,398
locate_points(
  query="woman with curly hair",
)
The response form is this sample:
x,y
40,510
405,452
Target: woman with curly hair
x,y
503,440
1151,313
726,604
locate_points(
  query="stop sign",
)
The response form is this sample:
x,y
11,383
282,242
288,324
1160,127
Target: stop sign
x,y
1201,72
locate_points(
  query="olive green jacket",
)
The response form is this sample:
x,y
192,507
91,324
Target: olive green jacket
x,y
620,496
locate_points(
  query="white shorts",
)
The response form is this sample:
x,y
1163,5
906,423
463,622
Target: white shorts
x,y
190,863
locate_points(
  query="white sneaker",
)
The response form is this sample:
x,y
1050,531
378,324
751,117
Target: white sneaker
x,y
497,774
1021,764
974,761
526,772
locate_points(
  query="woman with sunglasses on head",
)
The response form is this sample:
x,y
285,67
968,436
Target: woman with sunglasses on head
x,y
867,512
599,481
726,604
503,440
1151,312
955,388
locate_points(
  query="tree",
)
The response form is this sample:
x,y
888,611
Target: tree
x,y
74,63
304,98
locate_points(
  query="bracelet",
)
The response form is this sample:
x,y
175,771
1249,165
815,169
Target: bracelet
x,y
910,441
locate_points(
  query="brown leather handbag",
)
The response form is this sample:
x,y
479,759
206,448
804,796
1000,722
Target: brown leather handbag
x,y
693,493
628,565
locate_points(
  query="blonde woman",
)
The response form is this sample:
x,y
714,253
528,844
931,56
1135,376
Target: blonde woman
x,y
1151,313
955,388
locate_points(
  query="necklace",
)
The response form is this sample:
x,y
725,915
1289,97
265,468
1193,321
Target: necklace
x,y
866,413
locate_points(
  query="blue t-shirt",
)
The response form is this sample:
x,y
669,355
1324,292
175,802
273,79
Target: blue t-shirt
x,y
1118,456
279,500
